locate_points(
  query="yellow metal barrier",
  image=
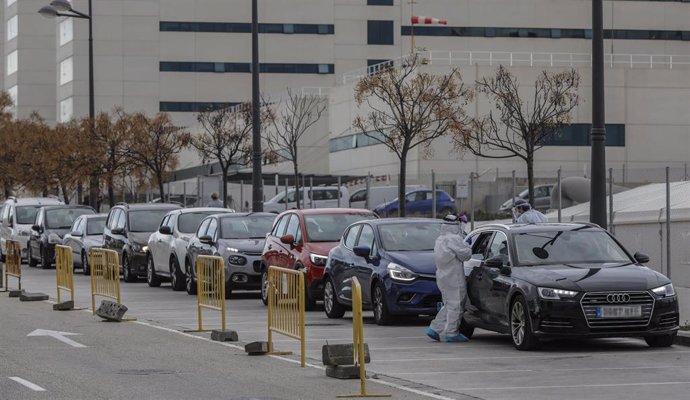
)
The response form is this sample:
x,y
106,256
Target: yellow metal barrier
x,y
358,341
210,272
13,263
286,307
105,275
64,271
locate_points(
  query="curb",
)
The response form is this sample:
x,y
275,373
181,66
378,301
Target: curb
x,y
683,338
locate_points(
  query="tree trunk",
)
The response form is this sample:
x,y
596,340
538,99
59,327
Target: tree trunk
x,y
65,195
94,191
159,177
530,178
111,191
225,186
401,185
298,196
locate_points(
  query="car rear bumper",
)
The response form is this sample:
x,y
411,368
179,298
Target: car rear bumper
x,y
567,318
418,297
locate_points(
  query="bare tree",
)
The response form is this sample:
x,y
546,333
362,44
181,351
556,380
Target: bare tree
x,y
227,139
409,108
155,144
297,114
522,125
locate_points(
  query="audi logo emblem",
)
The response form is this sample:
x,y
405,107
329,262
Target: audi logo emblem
x,y
618,298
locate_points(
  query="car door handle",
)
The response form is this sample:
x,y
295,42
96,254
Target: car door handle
x,y
270,247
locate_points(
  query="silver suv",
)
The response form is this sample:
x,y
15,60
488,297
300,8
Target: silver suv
x,y
18,217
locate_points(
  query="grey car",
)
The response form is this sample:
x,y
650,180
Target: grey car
x,y
239,238
86,232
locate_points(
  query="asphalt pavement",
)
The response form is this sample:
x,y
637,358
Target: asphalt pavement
x,y
160,361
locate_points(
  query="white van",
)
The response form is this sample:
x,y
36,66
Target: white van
x,y
379,195
18,217
322,196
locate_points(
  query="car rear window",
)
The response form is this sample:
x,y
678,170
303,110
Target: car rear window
x,y
63,218
330,227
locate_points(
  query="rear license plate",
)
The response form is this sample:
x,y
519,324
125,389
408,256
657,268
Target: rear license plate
x,y
619,312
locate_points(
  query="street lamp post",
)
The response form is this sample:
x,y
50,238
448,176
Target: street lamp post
x,y
63,8
597,205
257,182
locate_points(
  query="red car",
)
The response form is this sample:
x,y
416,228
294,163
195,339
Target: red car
x,y
301,239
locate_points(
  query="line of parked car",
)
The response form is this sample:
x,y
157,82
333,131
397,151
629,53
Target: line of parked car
x,y
528,281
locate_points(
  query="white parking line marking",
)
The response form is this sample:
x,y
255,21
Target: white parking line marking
x,y
578,355
580,386
504,371
28,384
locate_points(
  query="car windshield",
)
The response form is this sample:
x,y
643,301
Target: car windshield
x,y
63,218
249,227
568,247
188,222
409,236
27,214
146,220
330,227
95,226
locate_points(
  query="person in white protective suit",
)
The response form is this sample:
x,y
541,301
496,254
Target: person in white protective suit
x,y
450,251
525,214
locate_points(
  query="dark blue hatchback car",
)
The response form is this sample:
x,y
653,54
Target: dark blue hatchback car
x,y
393,259
419,203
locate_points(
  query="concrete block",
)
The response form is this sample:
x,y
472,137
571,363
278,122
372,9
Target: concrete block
x,y
111,311
64,306
683,338
224,336
256,348
342,371
341,354
33,297
16,293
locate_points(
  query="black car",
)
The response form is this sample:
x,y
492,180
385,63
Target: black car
x,y
564,280
127,231
50,225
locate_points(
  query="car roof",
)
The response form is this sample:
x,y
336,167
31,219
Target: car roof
x,y
245,214
34,201
94,216
543,227
391,221
149,206
67,206
320,211
202,209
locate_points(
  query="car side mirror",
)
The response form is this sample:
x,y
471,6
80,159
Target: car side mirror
x,y
641,258
37,228
505,270
206,239
76,234
165,230
287,239
118,231
362,251
494,262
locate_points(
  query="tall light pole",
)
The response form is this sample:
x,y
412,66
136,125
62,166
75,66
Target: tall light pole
x,y
257,182
597,205
63,8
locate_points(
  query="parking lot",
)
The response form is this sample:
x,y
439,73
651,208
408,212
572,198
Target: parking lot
x,y
488,367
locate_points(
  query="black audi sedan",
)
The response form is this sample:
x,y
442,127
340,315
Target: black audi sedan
x,y
564,280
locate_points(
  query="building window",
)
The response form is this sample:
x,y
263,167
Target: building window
x,y
191,106
379,32
551,33
66,109
379,2
245,27
12,27
10,2
12,63
66,31
276,68
579,135
355,141
14,95
66,72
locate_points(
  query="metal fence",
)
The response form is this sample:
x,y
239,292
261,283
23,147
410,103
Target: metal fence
x,y
13,263
286,297
210,271
105,275
64,271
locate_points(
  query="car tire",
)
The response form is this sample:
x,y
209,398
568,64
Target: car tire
x,y
127,274
177,279
521,325
466,329
660,341
228,290
333,308
382,316
151,278
30,256
309,301
264,286
190,282
85,267
45,264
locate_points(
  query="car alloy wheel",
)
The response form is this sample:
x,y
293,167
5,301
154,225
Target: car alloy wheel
x,y
330,301
151,278
190,282
45,264
521,326
264,287
30,256
126,272
381,314
85,269
177,279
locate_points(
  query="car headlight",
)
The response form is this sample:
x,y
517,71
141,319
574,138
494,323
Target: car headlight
x,y
318,260
145,249
555,294
139,248
399,273
665,291
232,250
54,238
237,260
